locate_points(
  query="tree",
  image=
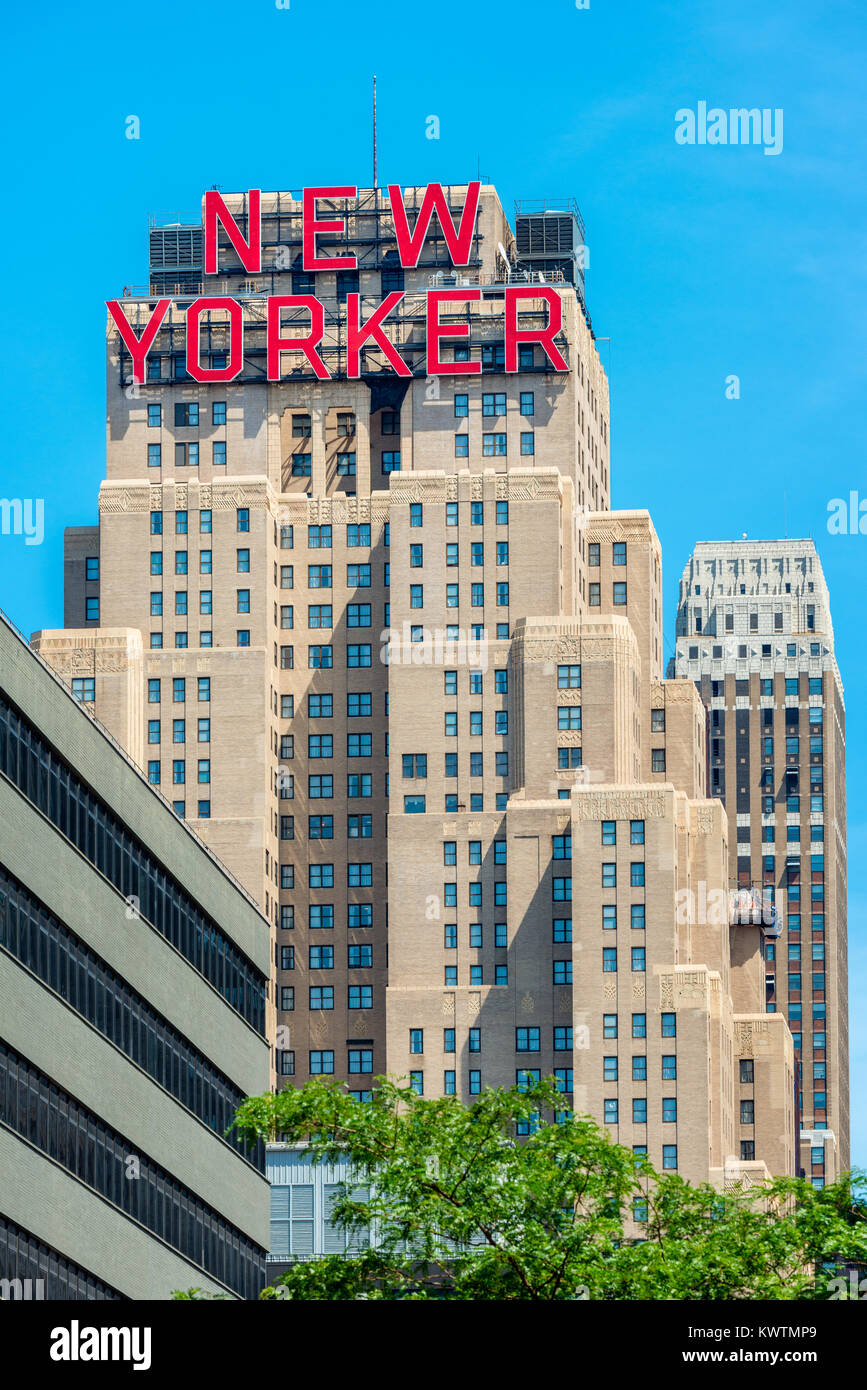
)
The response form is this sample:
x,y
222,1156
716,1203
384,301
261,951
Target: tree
x,y
491,1201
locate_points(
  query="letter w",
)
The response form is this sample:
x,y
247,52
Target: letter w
x,y
459,243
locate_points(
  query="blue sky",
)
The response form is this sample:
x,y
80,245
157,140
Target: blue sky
x,y
704,261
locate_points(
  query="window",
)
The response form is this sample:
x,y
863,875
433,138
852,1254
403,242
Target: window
x,y
528,442
493,445
320,745
669,1157
561,845
610,1112
347,283
360,1060
619,594
320,875
639,1025
243,518
319,615
346,465
319,576
494,404
416,1040
321,957
669,1025
527,1040
527,405
657,759
594,595
242,560
609,960
322,1063
91,610
657,721
84,689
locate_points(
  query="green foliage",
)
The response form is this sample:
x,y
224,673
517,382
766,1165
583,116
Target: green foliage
x,y
196,1295
459,1208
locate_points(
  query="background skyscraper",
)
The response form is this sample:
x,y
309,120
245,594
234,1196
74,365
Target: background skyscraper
x,y
754,632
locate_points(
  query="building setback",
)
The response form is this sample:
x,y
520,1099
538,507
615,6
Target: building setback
x,y
433,663
132,993
754,633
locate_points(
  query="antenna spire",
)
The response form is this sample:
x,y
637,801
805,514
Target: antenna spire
x,y
374,133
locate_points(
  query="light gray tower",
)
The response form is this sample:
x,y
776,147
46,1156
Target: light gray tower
x,y
754,632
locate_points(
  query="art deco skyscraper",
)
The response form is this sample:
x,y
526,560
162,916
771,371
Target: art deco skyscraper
x,y
403,671
754,632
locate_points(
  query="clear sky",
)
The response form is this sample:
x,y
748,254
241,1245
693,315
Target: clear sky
x,y
705,261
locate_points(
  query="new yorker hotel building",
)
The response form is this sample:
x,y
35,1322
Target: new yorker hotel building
x,y
305,546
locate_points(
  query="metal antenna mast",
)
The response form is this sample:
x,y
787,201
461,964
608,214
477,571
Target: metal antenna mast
x,y
374,132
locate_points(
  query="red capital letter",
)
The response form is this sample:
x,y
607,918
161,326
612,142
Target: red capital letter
x,y
138,347
545,336
236,340
357,334
311,227
306,344
459,244
250,251
437,330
